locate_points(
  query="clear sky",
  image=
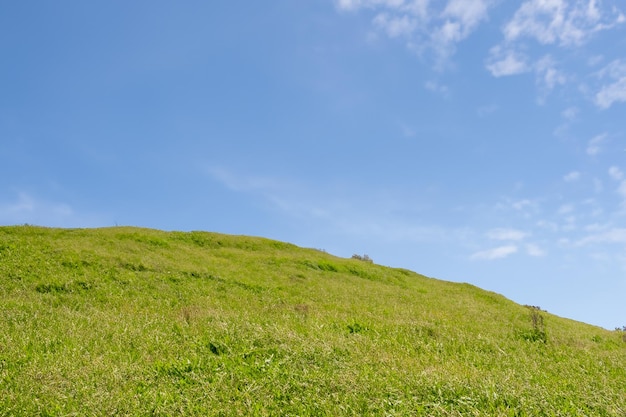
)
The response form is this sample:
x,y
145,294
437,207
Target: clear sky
x,y
468,140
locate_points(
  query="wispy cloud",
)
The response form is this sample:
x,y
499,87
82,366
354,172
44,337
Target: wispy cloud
x,y
437,87
570,113
612,236
484,111
356,4
615,90
534,250
460,19
395,26
506,234
250,183
594,146
495,253
572,176
346,212
525,206
26,208
548,75
616,173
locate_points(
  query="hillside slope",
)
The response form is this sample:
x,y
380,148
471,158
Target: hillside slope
x,y
127,321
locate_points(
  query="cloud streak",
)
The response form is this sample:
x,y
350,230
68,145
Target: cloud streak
x,y
29,209
495,253
506,234
594,147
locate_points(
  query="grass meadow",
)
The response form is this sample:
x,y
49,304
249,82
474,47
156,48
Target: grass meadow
x,y
137,322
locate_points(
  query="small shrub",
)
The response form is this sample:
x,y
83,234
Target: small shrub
x,y
364,258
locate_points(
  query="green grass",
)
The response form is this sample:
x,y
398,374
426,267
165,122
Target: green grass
x,y
127,321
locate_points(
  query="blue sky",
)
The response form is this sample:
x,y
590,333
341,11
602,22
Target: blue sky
x,y
469,140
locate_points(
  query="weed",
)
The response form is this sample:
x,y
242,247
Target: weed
x,y
52,288
356,328
302,309
538,331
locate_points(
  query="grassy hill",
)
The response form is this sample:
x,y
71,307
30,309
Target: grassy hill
x,y
127,321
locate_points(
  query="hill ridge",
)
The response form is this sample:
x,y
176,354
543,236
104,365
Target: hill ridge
x,y
129,321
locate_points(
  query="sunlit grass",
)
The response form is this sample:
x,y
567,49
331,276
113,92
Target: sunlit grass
x,y
127,321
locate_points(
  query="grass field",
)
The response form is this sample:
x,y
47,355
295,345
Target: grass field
x,y
127,321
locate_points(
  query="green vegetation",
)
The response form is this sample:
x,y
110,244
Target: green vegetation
x,y
127,321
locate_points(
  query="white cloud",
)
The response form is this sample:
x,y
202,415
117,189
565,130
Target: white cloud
x,y
612,236
484,111
548,225
595,60
495,253
246,183
560,22
503,62
357,4
525,208
570,113
615,91
395,26
534,250
506,234
436,87
25,204
594,146
547,73
611,94
572,176
469,12
596,227
462,17
347,4
508,61
456,22
616,173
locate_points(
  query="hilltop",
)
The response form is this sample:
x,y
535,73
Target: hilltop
x,y
129,321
